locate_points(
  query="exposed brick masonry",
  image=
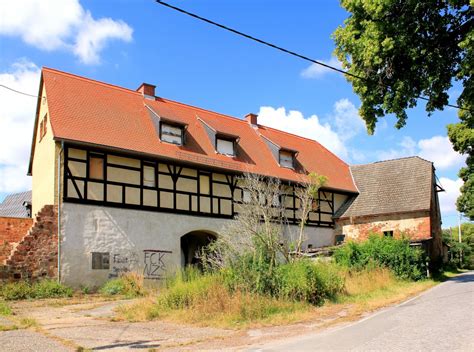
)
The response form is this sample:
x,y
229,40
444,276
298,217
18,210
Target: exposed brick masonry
x,y
35,256
12,231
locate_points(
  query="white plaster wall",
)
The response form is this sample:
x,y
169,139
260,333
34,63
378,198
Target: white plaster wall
x,y
132,236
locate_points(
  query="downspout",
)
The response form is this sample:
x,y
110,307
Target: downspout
x,y
59,210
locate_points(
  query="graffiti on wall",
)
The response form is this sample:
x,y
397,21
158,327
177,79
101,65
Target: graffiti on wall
x,y
122,263
154,261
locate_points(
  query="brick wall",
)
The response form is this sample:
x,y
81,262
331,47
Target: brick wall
x,y
12,231
416,225
35,256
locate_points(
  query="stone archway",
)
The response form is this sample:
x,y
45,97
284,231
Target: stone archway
x,y
191,244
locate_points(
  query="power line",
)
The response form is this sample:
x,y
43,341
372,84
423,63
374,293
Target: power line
x,y
274,46
17,91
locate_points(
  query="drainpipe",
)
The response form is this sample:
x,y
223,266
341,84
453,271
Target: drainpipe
x,y
59,210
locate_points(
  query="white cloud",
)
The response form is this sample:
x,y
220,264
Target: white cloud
x,y
17,114
440,150
437,149
294,122
447,199
61,25
346,119
318,71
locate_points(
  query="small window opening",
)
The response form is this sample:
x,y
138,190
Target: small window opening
x,y
171,134
100,260
388,233
96,167
287,159
225,146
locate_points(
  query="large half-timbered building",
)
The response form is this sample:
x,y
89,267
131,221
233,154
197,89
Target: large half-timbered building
x,y
141,181
124,180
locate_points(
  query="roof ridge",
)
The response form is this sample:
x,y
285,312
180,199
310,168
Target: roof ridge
x,y
91,80
203,109
394,159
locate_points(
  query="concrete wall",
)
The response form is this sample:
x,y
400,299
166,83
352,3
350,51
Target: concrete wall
x,y
416,225
136,240
44,162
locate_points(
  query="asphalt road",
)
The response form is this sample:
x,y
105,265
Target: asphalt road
x,y
441,319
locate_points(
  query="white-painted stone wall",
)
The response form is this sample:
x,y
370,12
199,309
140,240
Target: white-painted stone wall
x,y
142,241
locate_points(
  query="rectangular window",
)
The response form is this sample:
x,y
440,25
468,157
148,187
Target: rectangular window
x,y
149,176
96,167
45,124
41,131
100,260
388,233
286,159
225,146
171,134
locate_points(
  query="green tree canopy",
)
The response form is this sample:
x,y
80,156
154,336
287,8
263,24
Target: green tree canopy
x,y
398,51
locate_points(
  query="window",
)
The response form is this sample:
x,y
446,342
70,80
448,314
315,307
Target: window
x,y
45,124
149,176
43,127
100,260
388,233
315,205
286,159
225,146
171,134
96,167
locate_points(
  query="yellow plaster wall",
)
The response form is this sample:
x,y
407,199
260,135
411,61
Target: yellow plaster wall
x,y
44,162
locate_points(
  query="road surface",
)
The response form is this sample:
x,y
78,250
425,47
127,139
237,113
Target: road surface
x,y
441,319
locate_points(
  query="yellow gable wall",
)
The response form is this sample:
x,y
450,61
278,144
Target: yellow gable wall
x,y
44,162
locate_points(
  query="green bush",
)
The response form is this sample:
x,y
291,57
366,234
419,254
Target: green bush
x,y
129,285
304,280
396,254
16,290
50,289
41,289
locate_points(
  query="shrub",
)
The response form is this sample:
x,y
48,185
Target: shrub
x,y
396,254
304,280
41,289
129,285
50,289
16,290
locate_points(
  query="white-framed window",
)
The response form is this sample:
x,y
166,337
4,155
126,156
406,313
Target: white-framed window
x,y
225,146
171,133
286,159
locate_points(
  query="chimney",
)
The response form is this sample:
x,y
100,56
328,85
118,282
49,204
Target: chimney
x,y
147,90
251,119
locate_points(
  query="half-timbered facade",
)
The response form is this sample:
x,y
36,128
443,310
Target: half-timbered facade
x,y
140,182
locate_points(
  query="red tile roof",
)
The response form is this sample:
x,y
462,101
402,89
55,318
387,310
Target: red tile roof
x,y
97,113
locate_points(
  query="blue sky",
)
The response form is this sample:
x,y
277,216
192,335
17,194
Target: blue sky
x,y
128,42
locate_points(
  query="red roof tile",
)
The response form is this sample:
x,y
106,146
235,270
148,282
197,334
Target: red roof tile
x,y
93,112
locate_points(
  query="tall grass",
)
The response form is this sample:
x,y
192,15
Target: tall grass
x,y
129,285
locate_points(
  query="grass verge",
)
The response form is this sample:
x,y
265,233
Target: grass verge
x,y
206,301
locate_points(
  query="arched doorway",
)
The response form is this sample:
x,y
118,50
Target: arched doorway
x,y
191,244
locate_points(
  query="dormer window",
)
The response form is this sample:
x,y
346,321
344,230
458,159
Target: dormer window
x,y
172,133
225,146
287,159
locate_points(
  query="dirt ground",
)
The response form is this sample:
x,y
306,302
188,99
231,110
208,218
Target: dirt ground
x,y
89,323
